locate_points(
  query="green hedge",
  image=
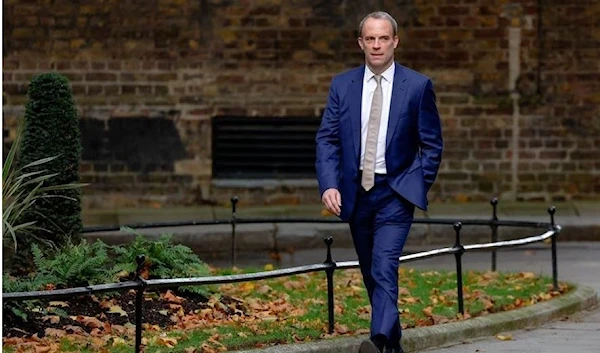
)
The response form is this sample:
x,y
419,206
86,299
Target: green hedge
x,y
52,129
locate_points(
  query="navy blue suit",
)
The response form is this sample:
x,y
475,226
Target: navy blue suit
x,y
380,219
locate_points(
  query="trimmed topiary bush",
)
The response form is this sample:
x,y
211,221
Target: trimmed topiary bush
x,y
52,130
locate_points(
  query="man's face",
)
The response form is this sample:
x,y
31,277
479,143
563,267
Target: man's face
x,y
378,43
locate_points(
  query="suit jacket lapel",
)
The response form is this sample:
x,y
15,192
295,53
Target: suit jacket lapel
x,y
355,97
398,94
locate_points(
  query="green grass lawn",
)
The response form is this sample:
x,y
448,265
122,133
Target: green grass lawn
x,y
294,309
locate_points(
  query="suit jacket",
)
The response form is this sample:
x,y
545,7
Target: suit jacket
x,y
413,143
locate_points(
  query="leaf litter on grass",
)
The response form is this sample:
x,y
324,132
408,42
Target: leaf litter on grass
x,y
283,310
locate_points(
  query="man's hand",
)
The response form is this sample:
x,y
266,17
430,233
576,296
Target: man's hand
x,y
333,201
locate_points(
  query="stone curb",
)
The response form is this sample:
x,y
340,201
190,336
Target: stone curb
x,y
457,332
216,239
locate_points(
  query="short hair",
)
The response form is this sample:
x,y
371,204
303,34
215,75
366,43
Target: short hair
x,y
378,15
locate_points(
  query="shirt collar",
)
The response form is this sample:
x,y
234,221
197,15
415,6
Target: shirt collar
x,y
388,74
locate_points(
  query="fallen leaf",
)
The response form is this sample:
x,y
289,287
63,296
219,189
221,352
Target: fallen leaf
x,y
42,349
504,337
341,329
527,275
207,349
117,341
409,300
269,267
258,307
54,319
428,311
518,302
246,286
75,330
116,309
167,341
52,332
58,303
269,318
293,285
487,304
439,319
170,297
264,289
88,321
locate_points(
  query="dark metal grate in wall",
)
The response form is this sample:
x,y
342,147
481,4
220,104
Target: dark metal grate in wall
x,y
259,147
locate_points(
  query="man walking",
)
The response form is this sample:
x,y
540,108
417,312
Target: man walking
x,y
379,148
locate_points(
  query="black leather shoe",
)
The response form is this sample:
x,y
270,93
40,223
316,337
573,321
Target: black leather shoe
x,y
367,346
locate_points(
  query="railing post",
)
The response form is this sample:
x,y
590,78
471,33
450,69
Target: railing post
x,y
494,226
139,297
458,256
234,201
552,211
329,273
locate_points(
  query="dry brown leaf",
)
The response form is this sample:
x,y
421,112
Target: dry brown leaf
x,y
41,349
264,289
58,303
190,350
504,337
54,319
258,307
289,285
268,318
487,304
88,321
247,286
439,319
409,300
207,349
341,329
527,275
428,311
117,341
116,309
52,332
170,297
75,330
169,342
518,302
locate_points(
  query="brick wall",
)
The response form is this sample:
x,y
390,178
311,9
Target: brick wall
x,y
148,76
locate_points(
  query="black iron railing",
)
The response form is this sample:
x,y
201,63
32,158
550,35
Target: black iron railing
x,y
329,266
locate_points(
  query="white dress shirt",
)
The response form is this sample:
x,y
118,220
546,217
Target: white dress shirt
x,y
369,85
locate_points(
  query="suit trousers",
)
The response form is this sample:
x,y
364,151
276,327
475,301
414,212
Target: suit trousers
x,y
379,225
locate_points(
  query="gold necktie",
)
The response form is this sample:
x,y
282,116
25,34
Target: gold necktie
x,y
368,175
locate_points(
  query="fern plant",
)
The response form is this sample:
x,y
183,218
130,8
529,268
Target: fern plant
x,y
74,265
33,282
163,259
